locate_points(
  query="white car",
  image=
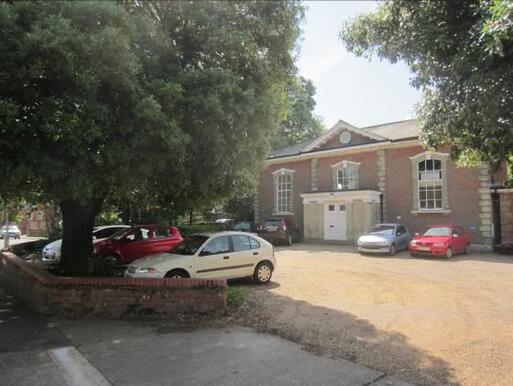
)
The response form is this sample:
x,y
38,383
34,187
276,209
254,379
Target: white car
x,y
12,230
52,252
227,255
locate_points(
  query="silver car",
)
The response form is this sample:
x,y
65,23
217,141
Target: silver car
x,y
12,230
385,238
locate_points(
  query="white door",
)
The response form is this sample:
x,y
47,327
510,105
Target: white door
x,y
335,222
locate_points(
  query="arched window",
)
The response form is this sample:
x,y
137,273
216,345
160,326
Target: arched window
x,y
283,184
430,182
345,175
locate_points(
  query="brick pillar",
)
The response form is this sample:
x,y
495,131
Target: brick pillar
x,y
313,175
485,205
382,172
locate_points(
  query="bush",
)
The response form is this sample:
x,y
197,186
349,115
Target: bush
x,y
235,297
189,229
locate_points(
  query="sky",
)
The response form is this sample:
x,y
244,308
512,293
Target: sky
x,y
360,92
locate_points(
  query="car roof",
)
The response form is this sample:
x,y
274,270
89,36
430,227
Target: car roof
x,y
223,233
110,226
442,226
389,224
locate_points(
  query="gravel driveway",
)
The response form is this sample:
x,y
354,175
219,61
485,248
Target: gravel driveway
x,y
428,321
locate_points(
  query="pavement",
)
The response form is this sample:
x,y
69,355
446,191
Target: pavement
x,y
38,351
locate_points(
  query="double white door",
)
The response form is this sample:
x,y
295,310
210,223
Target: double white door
x,y
335,222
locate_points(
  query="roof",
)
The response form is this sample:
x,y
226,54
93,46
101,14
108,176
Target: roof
x,y
291,150
393,131
396,130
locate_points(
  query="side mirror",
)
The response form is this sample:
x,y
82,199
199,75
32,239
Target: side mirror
x,y
455,235
94,237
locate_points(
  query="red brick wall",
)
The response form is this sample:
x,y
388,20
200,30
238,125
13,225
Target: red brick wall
x,y
462,189
112,297
301,184
367,180
368,172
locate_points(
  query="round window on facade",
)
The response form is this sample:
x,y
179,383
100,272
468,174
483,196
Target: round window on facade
x,y
345,137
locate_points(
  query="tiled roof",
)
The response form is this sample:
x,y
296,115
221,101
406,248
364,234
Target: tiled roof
x,y
290,150
394,131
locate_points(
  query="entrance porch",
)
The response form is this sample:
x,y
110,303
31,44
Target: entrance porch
x,y
339,216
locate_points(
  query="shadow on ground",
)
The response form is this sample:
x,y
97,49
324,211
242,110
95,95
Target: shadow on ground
x,y
340,334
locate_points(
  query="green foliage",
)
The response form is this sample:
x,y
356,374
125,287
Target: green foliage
x,y
240,207
165,102
300,123
108,217
235,297
461,53
189,229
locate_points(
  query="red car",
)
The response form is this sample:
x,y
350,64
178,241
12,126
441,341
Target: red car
x,y
137,241
440,240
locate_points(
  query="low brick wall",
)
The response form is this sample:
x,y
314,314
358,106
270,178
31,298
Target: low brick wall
x,y
111,297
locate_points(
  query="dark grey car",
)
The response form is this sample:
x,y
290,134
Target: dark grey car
x,y
385,238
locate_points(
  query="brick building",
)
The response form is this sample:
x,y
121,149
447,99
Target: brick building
x,y
336,186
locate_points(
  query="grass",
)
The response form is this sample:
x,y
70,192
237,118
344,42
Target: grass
x,y
235,297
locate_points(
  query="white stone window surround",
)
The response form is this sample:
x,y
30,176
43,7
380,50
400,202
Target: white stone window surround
x,y
283,184
433,180
345,175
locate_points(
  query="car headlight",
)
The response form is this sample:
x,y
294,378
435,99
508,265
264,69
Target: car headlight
x,y
146,270
413,242
439,245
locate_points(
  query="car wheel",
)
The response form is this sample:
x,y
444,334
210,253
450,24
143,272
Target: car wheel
x,y
392,250
177,274
412,254
467,249
448,254
263,272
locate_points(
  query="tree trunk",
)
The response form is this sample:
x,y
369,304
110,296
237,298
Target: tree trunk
x,y
77,244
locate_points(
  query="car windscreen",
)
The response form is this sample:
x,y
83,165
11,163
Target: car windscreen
x,y
438,232
190,245
120,234
242,226
382,230
272,225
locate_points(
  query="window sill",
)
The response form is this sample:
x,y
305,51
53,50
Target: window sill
x,y
283,213
431,211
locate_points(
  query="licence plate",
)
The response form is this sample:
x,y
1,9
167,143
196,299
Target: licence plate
x,y
423,249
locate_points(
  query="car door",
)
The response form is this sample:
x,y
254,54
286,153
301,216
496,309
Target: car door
x,y
135,245
460,241
402,237
213,259
243,257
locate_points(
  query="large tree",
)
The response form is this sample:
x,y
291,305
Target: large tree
x,y
300,122
168,102
461,55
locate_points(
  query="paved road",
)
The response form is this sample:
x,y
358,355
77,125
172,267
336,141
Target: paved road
x,y
23,239
26,340
34,351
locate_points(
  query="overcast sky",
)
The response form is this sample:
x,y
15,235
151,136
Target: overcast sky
x,y
360,92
